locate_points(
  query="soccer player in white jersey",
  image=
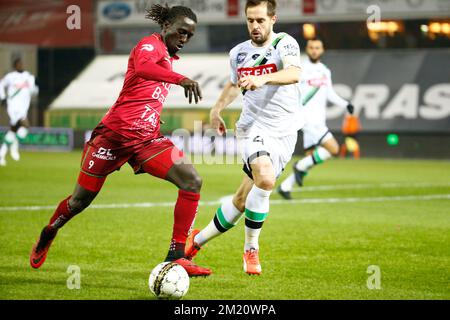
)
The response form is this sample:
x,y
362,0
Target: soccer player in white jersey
x,y
316,89
265,69
16,87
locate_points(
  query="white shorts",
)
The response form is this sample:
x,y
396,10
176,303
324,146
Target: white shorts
x,y
16,115
257,142
314,135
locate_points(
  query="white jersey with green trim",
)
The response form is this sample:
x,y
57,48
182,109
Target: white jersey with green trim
x,y
316,88
18,87
272,108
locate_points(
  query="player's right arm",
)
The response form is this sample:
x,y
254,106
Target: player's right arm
x,y
333,97
229,93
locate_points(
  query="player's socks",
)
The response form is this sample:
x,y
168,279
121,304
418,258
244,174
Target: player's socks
x,y
176,251
14,150
3,152
184,216
20,136
63,213
305,164
226,217
22,133
319,155
7,141
256,211
288,183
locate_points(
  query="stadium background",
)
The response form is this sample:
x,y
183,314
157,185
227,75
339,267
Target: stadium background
x,y
396,71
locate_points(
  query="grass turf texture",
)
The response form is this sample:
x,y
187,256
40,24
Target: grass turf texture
x,y
308,250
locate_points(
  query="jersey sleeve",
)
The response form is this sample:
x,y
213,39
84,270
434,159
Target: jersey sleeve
x,y
233,67
332,96
34,89
147,54
289,52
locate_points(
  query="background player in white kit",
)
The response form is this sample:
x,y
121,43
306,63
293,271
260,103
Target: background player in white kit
x,y
266,69
316,89
17,87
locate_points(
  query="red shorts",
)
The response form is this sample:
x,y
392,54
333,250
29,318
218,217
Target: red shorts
x,y
108,151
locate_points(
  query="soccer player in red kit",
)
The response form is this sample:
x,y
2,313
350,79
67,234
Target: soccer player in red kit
x,y
130,132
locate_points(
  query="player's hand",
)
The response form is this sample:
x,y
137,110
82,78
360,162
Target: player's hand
x,y
217,122
191,88
350,108
251,82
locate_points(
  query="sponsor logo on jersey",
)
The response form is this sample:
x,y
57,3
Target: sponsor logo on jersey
x,y
159,140
22,85
150,115
257,71
241,57
147,47
291,50
104,154
317,82
255,56
268,53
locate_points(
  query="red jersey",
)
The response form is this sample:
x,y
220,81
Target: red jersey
x,y
137,111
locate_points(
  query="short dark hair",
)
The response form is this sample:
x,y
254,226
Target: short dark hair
x,y
315,39
271,6
162,14
16,61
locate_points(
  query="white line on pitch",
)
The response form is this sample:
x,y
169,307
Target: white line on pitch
x,y
215,203
369,186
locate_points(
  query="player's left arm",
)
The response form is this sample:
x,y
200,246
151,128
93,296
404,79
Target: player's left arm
x,y
290,73
34,89
3,86
334,98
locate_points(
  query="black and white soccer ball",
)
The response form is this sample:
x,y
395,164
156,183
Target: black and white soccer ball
x,y
169,281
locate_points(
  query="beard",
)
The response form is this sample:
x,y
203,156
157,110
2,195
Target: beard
x,y
259,39
314,60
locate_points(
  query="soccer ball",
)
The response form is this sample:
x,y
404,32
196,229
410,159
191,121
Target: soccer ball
x,y
169,281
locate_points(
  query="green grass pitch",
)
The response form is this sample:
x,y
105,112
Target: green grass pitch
x,y
394,214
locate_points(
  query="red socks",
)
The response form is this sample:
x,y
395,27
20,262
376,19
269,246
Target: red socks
x,y
185,212
184,215
61,215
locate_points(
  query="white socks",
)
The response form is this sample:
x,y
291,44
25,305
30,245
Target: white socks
x,y
305,163
256,211
319,155
226,217
288,183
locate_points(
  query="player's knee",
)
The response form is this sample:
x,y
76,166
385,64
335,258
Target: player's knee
x,y
22,133
266,183
193,183
77,205
334,150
